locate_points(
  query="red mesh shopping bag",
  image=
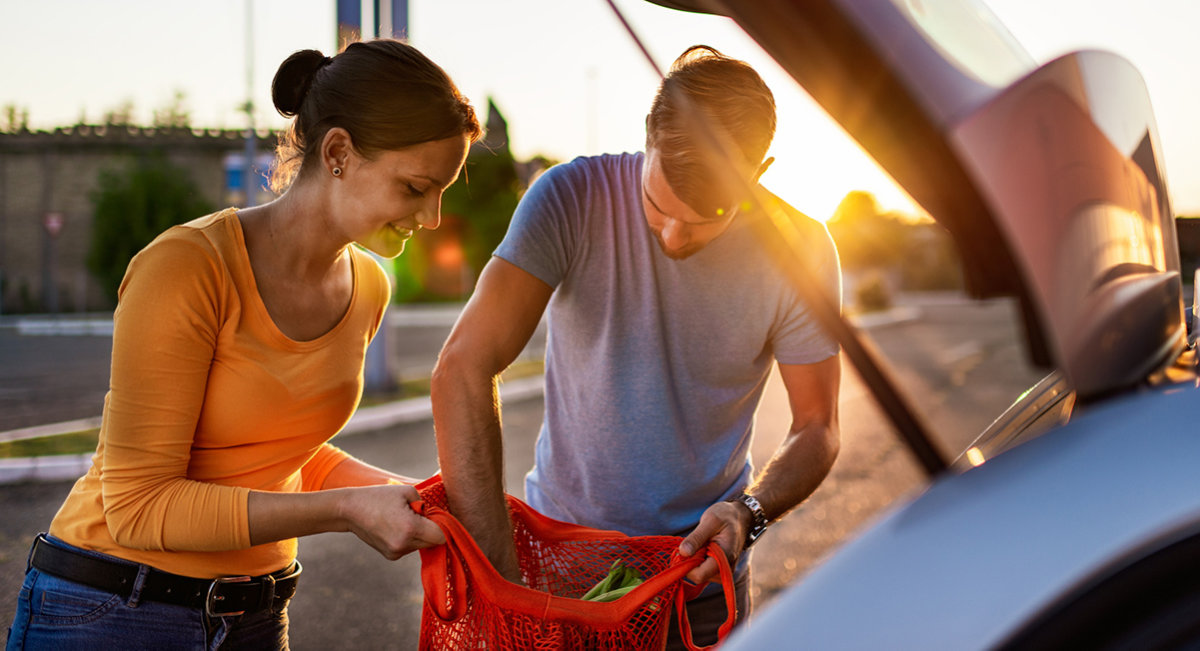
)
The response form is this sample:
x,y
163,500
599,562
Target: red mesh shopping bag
x,y
469,606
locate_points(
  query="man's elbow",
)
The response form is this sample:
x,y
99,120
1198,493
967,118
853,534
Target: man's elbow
x,y
459,365
451,369
831,444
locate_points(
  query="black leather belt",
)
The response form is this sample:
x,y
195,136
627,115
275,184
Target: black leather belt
x,y
221,597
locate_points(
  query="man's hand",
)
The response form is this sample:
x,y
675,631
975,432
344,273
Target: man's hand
x,y
723,522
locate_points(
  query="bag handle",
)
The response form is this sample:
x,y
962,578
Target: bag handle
x,y
459,553
439,562
685,627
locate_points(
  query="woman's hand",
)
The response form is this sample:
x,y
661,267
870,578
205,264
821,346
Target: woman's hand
x,y
381,517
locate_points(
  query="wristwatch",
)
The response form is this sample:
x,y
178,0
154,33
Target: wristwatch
x,y
758,518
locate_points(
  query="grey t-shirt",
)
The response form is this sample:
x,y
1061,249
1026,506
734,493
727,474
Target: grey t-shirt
x,y
654,366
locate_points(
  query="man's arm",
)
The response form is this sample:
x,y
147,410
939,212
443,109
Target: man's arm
x,y
794,471
494,327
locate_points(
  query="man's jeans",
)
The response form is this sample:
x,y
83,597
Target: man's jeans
x,y
54,613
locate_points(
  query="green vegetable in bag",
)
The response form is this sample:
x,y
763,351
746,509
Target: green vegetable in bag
x,y
620,580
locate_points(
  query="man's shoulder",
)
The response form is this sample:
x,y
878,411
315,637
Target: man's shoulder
x,y
812,231
606,166
772,201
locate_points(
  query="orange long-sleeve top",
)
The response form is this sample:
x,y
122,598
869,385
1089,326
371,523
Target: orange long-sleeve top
x,y
208,400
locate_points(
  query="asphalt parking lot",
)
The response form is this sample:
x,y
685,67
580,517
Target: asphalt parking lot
x,y
350,597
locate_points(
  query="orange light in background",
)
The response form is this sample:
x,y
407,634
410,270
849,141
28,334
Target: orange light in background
x,y
449,255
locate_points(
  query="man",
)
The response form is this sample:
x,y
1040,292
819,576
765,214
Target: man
x,y
665,314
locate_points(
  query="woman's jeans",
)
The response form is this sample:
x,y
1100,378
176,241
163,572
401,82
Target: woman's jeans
x,y
54,613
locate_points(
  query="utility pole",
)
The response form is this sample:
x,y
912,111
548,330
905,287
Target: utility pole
x,y
391,20
249,177
52,223
349,23
3,226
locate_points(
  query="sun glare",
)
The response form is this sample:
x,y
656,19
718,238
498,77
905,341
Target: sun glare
x,y
815,173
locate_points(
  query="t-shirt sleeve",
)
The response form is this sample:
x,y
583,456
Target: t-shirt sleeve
x,y
540,238
799,337
165,331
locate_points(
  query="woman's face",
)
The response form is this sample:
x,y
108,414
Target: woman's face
x,y
382,201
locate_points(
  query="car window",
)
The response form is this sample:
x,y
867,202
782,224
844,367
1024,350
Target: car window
x,y
968,34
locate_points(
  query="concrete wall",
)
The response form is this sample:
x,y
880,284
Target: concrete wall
x,y
58,172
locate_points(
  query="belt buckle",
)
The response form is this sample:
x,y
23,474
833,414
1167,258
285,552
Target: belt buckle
x,y
213,597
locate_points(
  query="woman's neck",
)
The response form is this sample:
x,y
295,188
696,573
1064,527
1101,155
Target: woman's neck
x,y
293,235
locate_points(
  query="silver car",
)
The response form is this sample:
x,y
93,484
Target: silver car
x,y
1074,521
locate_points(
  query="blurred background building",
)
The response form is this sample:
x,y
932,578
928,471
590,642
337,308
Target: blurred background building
x,y
53,182
77,202
50,183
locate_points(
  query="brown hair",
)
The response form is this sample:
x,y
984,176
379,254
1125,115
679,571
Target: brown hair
x,y
385,93
707,90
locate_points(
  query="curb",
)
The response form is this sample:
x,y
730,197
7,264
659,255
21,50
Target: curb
x,y
366,419
60,467
101,324
893,316
51,429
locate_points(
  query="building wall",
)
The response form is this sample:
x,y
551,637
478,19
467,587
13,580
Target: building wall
x,y
58,172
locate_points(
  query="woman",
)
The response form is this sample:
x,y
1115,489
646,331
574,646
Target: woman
x,y
237,354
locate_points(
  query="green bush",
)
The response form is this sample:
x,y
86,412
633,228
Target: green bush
x,y
134,205
476,211
872,294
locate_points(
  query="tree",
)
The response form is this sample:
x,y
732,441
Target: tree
x,y
482,201
174,115
15,119
121,115
865,236
486,197
132,207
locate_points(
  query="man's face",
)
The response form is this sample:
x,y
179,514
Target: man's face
x,y
679,229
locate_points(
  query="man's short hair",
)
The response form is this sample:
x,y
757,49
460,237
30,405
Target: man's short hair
x,y
709,99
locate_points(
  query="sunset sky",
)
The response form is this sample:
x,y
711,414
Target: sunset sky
x,y
564,73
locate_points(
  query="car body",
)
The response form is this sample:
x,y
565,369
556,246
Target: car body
x,y
1075,519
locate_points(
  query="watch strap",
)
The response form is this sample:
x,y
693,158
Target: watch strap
x,y
758,517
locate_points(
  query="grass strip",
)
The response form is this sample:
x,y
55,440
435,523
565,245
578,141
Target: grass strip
x,y
85,441
42,446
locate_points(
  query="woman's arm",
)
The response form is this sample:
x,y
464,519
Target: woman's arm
x,y
379,515
355,472
165,332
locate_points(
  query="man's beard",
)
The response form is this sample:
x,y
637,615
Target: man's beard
x,y
683,254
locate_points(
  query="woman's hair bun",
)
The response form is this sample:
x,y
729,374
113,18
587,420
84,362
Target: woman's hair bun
x,y
294,78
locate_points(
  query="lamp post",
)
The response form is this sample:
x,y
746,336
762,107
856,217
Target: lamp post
x,y
249,178
391,19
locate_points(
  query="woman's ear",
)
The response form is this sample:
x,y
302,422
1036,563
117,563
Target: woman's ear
x,y
336,151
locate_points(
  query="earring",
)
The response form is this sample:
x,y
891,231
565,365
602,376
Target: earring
x,y
337,171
